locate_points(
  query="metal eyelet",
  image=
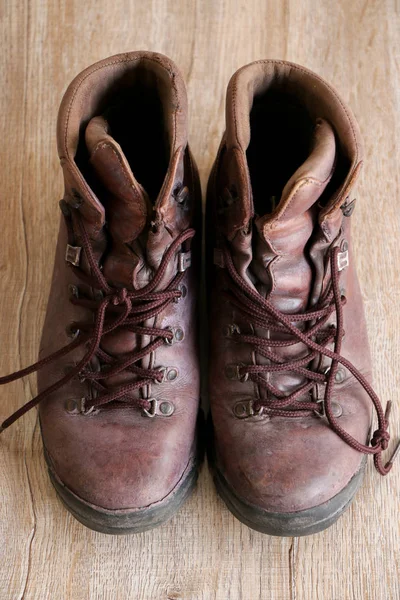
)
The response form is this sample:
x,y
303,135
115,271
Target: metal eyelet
x,y
326,371
244,409
348,207
172,374
178,335
162,408
78,407
230,329
73,255
340,376
166,408
184,261
183,290
181,194
71,406
343,259
336,408
232,372
169,374
72,331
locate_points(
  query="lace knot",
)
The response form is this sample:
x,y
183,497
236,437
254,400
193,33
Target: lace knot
x,y
129,317
380,439
311,329
120,297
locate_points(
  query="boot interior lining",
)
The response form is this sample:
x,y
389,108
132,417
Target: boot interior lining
x,y
138,110
280,138
137,123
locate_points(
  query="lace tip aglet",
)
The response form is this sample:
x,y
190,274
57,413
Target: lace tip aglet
x,y
395,454
388,410
2,429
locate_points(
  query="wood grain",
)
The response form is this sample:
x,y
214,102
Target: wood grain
x,y
203,553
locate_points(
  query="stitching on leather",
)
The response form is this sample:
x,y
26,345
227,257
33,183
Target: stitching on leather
x,y
308,181
108,64
125,175
191,460
271,269
309,73
314,76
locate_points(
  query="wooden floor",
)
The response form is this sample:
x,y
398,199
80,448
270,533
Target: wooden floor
x,y
203,553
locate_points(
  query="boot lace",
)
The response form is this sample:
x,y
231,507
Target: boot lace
x,y
116,308
263,314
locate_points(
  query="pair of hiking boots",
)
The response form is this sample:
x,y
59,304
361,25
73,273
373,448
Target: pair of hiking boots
x,y
289,366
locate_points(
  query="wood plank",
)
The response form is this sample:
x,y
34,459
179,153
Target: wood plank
x,y
203,553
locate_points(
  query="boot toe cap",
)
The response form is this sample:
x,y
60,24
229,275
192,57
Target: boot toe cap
x,y
286,466
118,464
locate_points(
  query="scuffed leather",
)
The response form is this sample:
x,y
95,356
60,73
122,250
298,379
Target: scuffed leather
x,y
283,464
118,458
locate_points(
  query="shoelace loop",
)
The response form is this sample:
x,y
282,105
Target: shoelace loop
x,y
262,313
117,308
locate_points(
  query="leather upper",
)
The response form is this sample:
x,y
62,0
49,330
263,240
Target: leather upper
x,y
284,464
118,458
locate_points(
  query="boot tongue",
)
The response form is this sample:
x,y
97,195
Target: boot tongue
x,y
280,264
128,205
309,181
128,208
281,237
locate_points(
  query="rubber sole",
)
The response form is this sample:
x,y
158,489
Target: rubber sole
x,y
293,524
120,522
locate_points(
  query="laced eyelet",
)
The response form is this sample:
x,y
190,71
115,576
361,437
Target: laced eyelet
x,y
178,335
73,255
244,409
99,325
162,370
232,371
230,329
336,409
78,407
168,374
183,291
162,408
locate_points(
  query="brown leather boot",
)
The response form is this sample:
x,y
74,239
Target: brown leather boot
x,y
290,369
119,365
